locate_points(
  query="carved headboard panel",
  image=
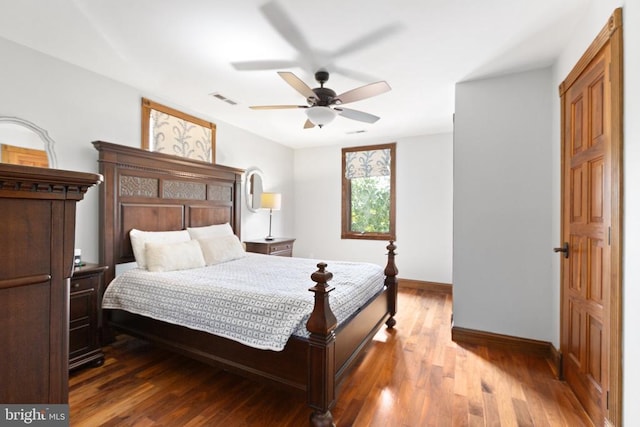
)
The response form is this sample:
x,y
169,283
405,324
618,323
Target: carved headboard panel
x,y
152,191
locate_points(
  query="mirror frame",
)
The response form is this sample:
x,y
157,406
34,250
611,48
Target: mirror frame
x,y
42,134
247,186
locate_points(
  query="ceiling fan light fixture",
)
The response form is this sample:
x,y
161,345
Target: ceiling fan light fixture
x,y
320,116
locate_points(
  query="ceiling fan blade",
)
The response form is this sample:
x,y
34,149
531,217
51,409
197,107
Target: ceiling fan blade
x,y
368,39
283,24
361,116
297,84
276,107
263,65
352,74
308,124
363,92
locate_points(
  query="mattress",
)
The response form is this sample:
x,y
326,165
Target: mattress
x,y
257,300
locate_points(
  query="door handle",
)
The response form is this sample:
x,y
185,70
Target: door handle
x,y
564,248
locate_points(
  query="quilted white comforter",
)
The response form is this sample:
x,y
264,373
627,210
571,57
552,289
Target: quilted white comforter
x,y
257,300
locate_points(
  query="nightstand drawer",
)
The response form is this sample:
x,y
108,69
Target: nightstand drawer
x,y
82,305
83,298
282,249
80,340
89,283
279,246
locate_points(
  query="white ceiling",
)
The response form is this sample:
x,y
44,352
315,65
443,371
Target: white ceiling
x,y
182,51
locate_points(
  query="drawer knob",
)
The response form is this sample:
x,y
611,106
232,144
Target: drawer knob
x,y
76,285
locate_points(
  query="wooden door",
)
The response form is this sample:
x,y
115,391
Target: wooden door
x,y
590,216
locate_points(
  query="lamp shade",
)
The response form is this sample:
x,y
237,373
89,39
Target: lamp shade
x,y
270,201
320,116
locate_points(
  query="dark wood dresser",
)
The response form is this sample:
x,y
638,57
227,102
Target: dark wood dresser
x,y
38,211
279,246
87,284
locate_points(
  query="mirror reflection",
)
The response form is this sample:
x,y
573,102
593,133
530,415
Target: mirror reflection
x,y
24,143
253,188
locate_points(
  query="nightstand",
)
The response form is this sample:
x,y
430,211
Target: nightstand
x,y
85,317
279,246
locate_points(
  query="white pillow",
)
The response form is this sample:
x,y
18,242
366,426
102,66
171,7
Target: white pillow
x,y
139,238
216,230
220,249
173,256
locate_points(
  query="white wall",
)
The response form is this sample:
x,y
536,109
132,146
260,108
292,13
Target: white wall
x,y
595,18
239,148
76,107
423,208
502,247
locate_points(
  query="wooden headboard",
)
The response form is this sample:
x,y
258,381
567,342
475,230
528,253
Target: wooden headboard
x,y
152,191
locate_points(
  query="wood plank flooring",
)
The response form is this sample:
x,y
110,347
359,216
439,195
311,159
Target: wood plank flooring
x,y
413,375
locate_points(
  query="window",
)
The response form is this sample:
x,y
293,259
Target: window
x,y
368,192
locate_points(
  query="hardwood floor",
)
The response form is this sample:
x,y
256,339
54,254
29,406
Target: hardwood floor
x,y
413,375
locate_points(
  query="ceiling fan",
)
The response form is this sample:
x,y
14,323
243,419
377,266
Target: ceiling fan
x,y
323,103
308,57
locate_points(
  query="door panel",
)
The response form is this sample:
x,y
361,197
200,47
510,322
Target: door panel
x,y
575,324
576,196
596,198
595,351
595,292
596,94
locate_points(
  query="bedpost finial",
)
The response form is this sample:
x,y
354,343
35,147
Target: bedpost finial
x,y
322,320
391,271
321,277
391,246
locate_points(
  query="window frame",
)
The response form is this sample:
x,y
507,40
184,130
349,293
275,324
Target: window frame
x,y
346,232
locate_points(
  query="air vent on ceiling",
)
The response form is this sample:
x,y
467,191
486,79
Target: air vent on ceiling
x,y
223,98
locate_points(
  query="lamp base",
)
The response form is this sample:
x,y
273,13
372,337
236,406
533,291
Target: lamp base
x,y
269,236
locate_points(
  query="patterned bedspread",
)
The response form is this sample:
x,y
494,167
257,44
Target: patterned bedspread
x,y
258,300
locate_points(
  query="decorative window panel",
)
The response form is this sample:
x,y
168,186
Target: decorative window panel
x,y
368,163
170,131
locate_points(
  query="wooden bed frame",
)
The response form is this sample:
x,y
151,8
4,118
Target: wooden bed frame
x,y
156,192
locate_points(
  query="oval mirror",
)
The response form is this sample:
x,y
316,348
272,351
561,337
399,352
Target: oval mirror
x,y
23,142
253,188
